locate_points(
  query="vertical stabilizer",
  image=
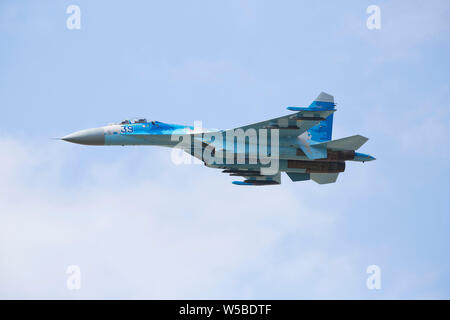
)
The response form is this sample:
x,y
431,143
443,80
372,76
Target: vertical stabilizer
x,y
323,130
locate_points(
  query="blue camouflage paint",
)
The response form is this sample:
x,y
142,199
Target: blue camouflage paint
x,y
322,131
140,133
294,137
363,157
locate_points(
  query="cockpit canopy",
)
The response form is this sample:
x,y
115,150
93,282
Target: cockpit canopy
x,y
143,120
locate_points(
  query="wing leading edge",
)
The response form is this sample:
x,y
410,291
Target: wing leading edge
x,y
302,120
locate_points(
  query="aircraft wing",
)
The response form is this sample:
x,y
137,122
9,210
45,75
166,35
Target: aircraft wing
x,y
293,124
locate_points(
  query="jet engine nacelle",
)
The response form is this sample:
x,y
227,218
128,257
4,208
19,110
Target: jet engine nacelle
x,y
317,166
340,155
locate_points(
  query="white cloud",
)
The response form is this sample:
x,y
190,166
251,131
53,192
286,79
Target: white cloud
x,y
137,231
135,236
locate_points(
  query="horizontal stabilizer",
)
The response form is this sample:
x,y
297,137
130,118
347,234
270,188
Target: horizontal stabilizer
x,y
323,178
348,143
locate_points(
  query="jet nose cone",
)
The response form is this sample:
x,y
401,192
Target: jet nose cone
x,y
93,137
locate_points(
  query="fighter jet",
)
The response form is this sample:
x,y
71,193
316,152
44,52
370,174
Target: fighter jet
x,y
299,144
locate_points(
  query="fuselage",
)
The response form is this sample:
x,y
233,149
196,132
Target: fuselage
x,y
156,133
131,133
299,144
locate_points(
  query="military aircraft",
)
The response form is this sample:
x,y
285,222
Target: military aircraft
x,y
299,144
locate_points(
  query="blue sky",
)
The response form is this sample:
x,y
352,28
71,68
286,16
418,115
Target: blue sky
x,y
141,227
